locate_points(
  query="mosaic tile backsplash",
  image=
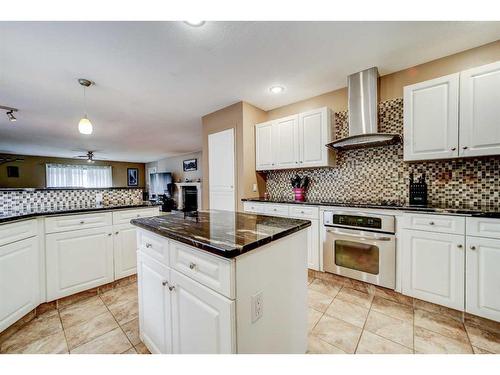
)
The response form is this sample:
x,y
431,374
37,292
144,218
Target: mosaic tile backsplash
x,y
375,175
23,199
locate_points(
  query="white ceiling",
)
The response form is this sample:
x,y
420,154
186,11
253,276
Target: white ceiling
x,y
154,80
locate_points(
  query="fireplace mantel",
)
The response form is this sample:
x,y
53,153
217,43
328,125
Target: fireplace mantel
x,y
181,185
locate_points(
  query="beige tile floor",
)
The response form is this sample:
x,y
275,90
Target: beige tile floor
x,y
102,324
346,316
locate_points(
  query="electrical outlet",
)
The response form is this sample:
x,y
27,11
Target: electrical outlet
x,y
254,188
257,302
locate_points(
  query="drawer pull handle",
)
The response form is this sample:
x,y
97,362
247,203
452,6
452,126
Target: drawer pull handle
x,y
171,288
302,212
164,283
192,266
82,222
431,223
138,215
117,232
110,234
148,245
465,147
459,246
453,149
473,247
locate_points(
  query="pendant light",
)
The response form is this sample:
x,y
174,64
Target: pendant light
x,y
85,126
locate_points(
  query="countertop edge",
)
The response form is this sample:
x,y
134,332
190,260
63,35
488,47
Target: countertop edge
x,y
228,254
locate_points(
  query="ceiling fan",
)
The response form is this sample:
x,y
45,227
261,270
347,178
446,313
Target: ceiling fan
x,y
89,156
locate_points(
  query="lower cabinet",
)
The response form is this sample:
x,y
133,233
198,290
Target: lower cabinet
x,y
154,304
203,321
78,260
483,277
180,315
19,280
124,248
433,267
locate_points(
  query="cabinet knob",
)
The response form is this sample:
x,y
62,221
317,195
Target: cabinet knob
x,y
164,283
138,215
453,149
473,247
460,246
192,265
171,287
110,234
148,245
82,222
117,232
465,147
431,223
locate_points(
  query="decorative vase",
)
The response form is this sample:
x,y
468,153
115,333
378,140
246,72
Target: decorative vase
x,y
299,194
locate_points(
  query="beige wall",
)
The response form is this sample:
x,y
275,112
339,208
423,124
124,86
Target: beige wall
x,y
175,166
391,85
32,171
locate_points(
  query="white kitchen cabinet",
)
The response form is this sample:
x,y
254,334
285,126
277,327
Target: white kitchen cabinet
x,y
124,250
314,133
286,142
433,267
78,260
431,119
483,277
264,154
480,110
295,141
19,279
154,304
203,321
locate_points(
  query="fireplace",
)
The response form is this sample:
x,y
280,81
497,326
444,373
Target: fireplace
x,y
189,196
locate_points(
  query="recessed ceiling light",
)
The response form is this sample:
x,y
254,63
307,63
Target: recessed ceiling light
x,y
195,23
277,89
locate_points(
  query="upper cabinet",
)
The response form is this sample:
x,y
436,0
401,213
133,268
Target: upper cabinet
x,y
453,116
296,141
480,110
431,119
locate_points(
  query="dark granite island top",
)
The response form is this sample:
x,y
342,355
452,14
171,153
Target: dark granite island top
x,y
223,233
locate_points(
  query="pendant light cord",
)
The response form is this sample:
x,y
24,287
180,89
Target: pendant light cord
x,y
84,102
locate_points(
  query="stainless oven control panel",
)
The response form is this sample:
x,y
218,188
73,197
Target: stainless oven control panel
x,y
360,220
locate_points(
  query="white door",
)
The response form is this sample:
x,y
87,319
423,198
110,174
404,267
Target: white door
x,y
221,170
286,142
124,248
431,119
433,267
313,136
483,277
78,260
480,110
264,155
203,321
155,325
19,280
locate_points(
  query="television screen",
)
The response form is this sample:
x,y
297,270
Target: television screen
x,y
161,183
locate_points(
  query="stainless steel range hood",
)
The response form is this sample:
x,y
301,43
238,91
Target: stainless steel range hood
x,y
362,90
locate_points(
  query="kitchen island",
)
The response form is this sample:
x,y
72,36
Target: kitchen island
x,y
222,282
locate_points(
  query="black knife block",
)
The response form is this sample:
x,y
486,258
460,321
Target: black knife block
x,y
418,193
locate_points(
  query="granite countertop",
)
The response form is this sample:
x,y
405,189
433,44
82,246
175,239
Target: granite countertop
x,y
486,211
34,211
223,233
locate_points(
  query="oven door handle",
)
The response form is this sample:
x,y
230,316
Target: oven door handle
x,y
361,237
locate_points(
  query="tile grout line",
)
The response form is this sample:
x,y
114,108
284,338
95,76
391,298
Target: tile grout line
x,y
64,331
119,325
364,325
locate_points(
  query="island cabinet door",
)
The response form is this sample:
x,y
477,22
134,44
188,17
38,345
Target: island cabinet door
x,y
124,247
154,304
78,260
203,321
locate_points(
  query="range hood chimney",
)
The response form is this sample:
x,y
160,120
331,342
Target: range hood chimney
x,y
362,91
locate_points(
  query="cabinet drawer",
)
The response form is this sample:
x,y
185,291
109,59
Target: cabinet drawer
x,y
276,209
72,222
211,271
253,207
155,246
435,223
124,216
304,212
17,231
483,227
